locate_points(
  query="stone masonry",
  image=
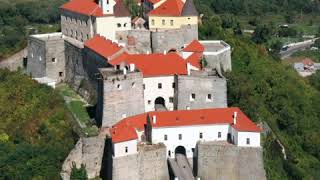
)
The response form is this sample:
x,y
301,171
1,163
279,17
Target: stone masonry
x,y
149,164
201,84
46,56
122,95
88,151
228,162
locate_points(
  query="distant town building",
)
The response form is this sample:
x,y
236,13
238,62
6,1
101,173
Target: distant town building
x,y
306,67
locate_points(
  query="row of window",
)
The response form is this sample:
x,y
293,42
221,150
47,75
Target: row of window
x,y
119,87
208,97
119,25
160,85
74,21
180,136
75,34
163,22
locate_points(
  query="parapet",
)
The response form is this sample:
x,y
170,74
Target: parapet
x,y
49,36
111,74
215,47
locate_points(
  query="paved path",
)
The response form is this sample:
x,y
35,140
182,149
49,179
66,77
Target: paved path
x,y
294,47
181,168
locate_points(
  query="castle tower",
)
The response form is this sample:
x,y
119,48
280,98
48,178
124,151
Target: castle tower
x,y
107,6
189,9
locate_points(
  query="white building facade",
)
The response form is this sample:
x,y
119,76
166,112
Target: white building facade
x,y
180,131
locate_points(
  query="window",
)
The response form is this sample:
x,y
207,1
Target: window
x,y
171,22
209,97
54,60
125,25
119,87
192,149
40,58
126,149
118,67
152,22
248,141
149,101
192,97
165,137
180,136
144,86
133,85
87,36
60,74
173,85
119,25
200,135
219,134
71,33
159,86
171,99
163,22
169,153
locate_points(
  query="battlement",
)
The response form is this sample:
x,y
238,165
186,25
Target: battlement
x,y
111,74
49,36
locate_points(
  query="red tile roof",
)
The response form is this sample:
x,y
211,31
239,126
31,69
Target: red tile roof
x,y
195,60
307,62
85,7
154,64
168,8
102,46
194,46
125,129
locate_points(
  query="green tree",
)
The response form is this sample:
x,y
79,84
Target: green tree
x,y
261,34
78,174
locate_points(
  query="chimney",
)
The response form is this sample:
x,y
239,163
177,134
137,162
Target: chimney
x,y
189,68
132,67
148,52
164,52
154,119
235,114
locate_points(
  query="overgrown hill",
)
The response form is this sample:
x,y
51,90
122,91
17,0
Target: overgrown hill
x,y
268,91
35,130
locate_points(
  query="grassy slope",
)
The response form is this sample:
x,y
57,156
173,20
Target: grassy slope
x,y
35,129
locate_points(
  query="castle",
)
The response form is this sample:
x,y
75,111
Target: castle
x,y
150,77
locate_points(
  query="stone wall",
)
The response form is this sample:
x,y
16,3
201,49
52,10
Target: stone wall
x,y
36,66
55,58
16,61
122,96
137,41
76,25
46,56
149,164
173,39
224,162
221,60
88,151
201,85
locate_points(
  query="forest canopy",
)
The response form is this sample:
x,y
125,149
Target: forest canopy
x,y
35,129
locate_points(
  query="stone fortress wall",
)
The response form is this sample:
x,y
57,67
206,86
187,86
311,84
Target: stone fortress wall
x,y
202,85
149,164
122,95
220,162
46,56
77,26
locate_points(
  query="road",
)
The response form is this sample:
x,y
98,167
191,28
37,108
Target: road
x,y
294,47
181,168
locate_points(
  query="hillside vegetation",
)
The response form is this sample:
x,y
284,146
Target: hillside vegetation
x,y
268,91
19,18
35,130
